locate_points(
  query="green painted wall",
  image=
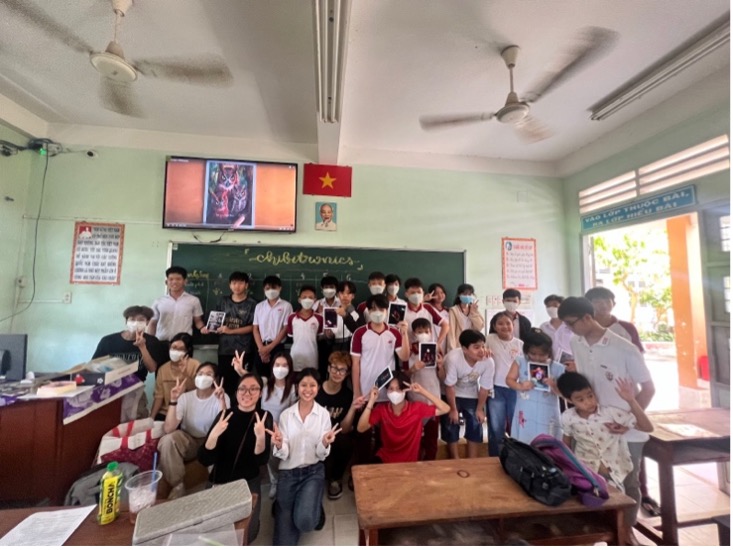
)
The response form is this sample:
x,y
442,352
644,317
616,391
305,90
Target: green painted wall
x,y
390,208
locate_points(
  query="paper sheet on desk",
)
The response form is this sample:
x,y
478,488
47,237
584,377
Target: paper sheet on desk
x,y
46,528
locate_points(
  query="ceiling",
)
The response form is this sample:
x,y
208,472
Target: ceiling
x,y
405,58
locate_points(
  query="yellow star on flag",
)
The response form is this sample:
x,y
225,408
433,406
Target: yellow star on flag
x,y
327,181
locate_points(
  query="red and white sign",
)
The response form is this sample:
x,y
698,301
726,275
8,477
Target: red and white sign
x,y
519,263
97,256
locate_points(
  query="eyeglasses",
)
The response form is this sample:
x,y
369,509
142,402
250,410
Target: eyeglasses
x,y
337,370
571,324
251,390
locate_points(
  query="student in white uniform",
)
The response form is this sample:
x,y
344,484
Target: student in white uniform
x,y
417,308
270,325
304,327
177,311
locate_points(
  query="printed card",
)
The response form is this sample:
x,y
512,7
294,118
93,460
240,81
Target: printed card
x,y
429,354
538,374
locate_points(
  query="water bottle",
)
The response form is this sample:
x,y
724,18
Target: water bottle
x,y
110,487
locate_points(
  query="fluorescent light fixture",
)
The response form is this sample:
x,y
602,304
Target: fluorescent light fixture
x,y
331,21
718,35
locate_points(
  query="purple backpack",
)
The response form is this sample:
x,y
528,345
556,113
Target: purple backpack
x,y
590,486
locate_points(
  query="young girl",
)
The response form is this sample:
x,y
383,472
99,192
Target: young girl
x,y
400,421
277,396
505,348
463,315
537,411
182,366
302,440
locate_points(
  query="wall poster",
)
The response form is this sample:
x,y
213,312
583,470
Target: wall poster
x,y
97,255
519,263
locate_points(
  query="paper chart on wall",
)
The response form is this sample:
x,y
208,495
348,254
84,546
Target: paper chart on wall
x,y
519,263
97,256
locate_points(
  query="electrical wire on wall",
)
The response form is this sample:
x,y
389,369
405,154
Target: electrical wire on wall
x,y
35,246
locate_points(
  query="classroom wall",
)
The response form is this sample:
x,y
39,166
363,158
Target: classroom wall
x,y
716,187
390,208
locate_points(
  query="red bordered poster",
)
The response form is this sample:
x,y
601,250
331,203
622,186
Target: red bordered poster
x,y
97,256
519,263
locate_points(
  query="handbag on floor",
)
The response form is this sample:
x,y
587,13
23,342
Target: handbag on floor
x,y
135,441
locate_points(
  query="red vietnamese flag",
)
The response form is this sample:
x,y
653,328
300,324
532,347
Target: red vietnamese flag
x,y
325,179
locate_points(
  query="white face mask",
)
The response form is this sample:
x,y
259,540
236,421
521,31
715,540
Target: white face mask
x,y
392,290
552,312
416,298
272,294
396,397
203,381
511,307
176,355
136,326
329,293
280,372
376,289
307,303
377,317
423,337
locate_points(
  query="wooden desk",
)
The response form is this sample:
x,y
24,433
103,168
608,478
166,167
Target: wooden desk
x,y
671,445
419,493
90,533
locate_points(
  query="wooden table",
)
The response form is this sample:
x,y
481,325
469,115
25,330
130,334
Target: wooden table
x,y
419,493
682,437
90,533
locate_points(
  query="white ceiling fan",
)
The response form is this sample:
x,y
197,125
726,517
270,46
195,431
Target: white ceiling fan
x,y
117,73
590,45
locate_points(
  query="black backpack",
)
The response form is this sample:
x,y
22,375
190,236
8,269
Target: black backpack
x,y
535,472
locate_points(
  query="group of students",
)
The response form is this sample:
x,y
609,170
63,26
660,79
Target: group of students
x,y
310,412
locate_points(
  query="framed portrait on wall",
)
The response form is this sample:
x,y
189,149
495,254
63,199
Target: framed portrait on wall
x,y
325,216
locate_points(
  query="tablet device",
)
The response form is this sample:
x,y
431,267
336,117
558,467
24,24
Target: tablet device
x,y
429,354
383,379
538,374
330,317
396,313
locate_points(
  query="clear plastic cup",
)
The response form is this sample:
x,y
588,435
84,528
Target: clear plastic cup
x,y
141,491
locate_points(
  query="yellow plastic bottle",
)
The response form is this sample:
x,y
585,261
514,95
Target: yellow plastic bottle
x,y
110,488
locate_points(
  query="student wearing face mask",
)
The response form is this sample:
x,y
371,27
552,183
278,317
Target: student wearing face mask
x,y
550,327
181,367
304,327
417,308
400,421
377,285
270,324
463,315
190,416
393,288
521,325
133,344
327,341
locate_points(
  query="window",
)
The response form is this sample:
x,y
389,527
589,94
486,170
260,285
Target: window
x,y
701,160
725,233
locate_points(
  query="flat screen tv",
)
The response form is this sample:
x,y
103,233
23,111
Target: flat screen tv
x,y
235,195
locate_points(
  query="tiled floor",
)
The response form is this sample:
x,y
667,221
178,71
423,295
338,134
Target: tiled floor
x,y
697,492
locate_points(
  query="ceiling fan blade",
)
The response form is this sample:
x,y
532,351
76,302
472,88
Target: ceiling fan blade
x,y
531,130
204,71
445,121
119,97
590,44
37,17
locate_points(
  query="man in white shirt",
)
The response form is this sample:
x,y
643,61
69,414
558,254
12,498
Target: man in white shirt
x,y
177,311
270,325
605,357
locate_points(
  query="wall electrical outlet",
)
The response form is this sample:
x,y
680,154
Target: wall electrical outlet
x,y
67,298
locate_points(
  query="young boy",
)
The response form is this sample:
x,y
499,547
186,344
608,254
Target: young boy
x,y
304,327
469,379
270,324
332,338
511,299
603,301
416,308
376,285
428,378
594,428
393,288
177,311
605,357
235,335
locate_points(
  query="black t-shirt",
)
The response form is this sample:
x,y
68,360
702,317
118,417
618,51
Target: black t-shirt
x,y
238,315
337,404
227,446
116,346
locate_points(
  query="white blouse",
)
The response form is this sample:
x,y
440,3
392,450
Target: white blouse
x,y
302,439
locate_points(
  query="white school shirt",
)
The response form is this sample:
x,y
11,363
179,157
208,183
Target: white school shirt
x,y
426,377
274,404
423,311
302,440
304,333
270,319
603,363
561,341
376,351
467,379
197,415
504,353
341,331
174,315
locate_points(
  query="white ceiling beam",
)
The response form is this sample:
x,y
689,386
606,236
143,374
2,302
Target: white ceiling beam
x,y
21,120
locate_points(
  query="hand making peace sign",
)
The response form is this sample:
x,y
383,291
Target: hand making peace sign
x,y
139,342
179,389
330,436
238,363
260,429
221,426
276,434
219,394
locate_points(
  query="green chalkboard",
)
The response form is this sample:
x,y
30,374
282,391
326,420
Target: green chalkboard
x,y
209,267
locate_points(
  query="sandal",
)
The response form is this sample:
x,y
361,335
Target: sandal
x,y
650,506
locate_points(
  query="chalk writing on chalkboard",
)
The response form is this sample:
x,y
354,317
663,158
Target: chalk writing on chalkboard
x,y
301,258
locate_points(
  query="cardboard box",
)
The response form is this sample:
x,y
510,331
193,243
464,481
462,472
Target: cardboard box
x,y
106,368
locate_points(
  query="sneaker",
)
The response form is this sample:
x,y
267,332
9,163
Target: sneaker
x,y
335,490
177,492
322,521
273,491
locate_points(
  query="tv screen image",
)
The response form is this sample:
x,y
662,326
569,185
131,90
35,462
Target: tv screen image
x,y
231,195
